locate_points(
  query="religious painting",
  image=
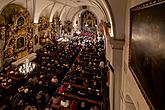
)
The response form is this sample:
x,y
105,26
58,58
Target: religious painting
x,y
88,18
20,21
68,26
147,51
36,39
20,42
16,31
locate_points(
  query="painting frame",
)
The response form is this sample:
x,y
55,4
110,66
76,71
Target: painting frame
x,y
135,52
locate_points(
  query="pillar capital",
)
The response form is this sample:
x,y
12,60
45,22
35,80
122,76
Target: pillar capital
x,y
116,43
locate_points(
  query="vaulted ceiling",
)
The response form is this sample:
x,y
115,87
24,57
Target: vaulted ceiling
x,y
70,9
65,9
74,3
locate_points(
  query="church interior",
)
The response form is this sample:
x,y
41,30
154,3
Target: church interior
x,y
82,55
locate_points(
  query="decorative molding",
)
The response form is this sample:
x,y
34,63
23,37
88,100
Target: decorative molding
x,y
147,4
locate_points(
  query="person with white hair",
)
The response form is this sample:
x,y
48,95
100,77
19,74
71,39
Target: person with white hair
x,y
101,65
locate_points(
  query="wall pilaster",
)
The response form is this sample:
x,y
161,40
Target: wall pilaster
x,y
116,56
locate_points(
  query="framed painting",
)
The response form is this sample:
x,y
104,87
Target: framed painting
x,y
20,42
147,51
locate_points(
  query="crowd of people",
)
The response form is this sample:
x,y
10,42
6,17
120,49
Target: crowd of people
x,y
67,76
52,63
81,87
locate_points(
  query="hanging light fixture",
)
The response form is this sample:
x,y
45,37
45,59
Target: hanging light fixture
x,y
27,67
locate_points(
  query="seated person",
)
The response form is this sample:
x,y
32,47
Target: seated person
x,y
69,88
61,89
20,103
65,103
82,106
39,95
54,80
55,102
74,105
35,80
86,83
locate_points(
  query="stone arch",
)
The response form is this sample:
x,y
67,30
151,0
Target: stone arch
x,y
47,11
79,12
9,10
54,11
40,5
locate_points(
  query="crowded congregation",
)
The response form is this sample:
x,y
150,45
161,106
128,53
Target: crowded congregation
x,y
82,55
66,76
58,65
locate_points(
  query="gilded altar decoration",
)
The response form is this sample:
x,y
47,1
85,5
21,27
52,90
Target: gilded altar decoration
x,y
2,33
16,31
20,21
56,27
88,21
44,29
20,42
68,26
43,23
104,28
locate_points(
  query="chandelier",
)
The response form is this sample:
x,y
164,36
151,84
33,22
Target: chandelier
x,y
27,67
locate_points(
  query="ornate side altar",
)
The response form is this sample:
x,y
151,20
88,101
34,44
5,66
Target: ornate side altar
x,y
16,32
44,30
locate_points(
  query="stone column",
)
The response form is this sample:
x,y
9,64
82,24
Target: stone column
x,y
36,26
79,22
50,30
116,77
